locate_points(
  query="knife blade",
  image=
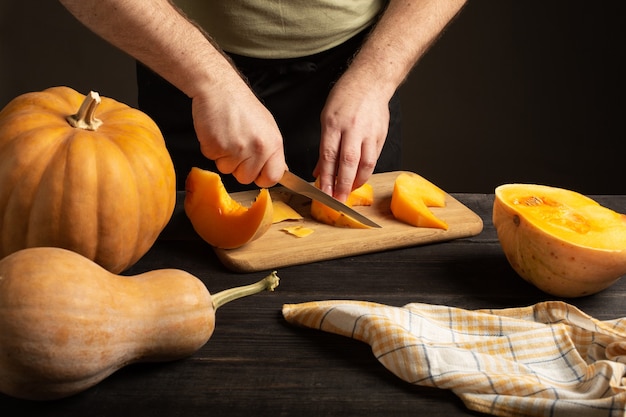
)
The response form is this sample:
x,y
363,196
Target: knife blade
x,y
301,186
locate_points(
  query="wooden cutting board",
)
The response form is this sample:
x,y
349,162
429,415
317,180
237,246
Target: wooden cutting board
x,y
276,248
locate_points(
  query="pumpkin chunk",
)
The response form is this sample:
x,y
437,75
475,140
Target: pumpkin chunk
x,y
362,196
219,219
411,197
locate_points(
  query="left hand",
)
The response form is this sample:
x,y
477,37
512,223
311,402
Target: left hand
x,y
355,121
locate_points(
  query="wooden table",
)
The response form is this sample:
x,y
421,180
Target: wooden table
x,y
257,364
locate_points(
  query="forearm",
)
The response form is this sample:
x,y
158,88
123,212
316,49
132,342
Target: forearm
x,y
155,33
401,37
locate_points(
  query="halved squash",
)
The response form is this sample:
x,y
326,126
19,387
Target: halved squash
x,y
362,196
411,197
218,218
561,241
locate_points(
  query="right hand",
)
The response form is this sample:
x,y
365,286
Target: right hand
x,y
237,132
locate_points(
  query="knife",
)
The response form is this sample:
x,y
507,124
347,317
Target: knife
x,y
300,186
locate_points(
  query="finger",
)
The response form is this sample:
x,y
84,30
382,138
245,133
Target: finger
x,y
367,163
326,168
226,165
248,170
272,171
350,157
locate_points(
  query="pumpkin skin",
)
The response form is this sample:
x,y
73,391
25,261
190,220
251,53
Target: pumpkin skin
x,y
220,220
362,196
67,323
411,198
104,193
564,243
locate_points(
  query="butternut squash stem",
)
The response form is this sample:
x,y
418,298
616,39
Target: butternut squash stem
x,y
268,283
85,118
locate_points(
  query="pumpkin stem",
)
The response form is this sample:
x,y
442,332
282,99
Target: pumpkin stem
x,y
85,118
268,283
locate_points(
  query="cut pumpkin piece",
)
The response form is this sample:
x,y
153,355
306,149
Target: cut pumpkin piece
x,y
283,212
431,195
362,196
298,231
411,196
218,218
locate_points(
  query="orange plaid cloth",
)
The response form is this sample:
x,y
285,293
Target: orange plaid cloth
x,y
549,359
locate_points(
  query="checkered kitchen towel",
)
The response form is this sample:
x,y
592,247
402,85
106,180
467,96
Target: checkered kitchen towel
x,y
549,359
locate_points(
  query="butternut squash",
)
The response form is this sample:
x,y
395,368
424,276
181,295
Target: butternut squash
x,y
66,323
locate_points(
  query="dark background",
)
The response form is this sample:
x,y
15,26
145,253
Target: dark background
x,y
514,91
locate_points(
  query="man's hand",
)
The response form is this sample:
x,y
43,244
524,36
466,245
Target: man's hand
x,y
239,134
355,119
355,122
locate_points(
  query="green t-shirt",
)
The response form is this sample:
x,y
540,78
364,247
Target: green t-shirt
x,y
281,29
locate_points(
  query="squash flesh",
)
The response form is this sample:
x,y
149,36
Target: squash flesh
x,y
569,216
219,219
564,243
283,212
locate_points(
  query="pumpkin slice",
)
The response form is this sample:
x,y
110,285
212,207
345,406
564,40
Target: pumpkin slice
x,y
563,242
362,196
411,197
283,212
218,218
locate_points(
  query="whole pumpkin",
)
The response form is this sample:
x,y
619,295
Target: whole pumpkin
x,y
84,173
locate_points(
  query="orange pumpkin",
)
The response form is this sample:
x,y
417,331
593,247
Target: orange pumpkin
x,y
219,219
563,242
83,173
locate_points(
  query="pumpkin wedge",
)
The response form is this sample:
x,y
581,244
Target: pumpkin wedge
x,y
561,241
411,197
219,219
